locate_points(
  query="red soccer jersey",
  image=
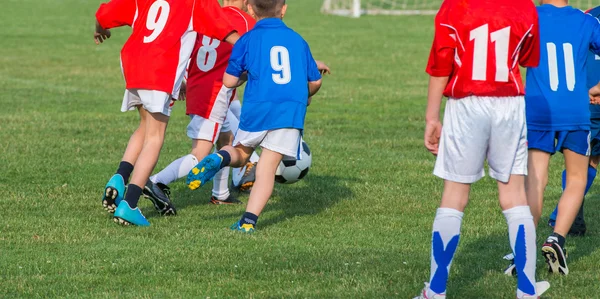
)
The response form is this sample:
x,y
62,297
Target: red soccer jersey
x,y
208,63
156,54
479,43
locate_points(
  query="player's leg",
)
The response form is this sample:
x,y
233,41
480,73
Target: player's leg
x,y
576,148
460,163
115,188
537,179
156,113
220,192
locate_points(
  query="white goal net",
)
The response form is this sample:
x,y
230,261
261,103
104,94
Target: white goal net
x,y
356,8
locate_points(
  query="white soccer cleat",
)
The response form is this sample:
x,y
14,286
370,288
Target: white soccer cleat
x,y
541,287
424,294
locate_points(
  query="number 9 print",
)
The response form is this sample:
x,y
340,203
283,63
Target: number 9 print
x,y
157,19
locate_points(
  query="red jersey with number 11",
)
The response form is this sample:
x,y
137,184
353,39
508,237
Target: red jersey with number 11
x,y
208,63
155,55
478,44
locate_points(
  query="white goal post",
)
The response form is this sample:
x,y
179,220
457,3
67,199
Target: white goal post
x,y
356,8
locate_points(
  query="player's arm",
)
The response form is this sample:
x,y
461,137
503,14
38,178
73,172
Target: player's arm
x,y
529,54
231,81
209,19
594,94
439,67
314,70
236,72
115,13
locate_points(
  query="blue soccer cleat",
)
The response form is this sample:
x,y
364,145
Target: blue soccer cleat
x,y
125,215
244,228
204,171
113,193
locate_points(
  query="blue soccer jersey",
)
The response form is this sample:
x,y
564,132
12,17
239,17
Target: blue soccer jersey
x,y
279,65
593,69
557,91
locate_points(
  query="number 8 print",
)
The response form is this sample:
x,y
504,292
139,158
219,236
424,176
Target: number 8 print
x,y
157,19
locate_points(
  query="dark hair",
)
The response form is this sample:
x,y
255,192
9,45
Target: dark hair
x,y
267,8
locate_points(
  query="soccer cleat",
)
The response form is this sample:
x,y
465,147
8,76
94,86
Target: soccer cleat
x,y
125,215
159,195
424,294
244,228
540,287
231,200
556,257
248,178
511,270
205,171
113,193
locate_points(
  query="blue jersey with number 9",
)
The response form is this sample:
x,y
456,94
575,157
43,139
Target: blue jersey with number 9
x,y
556,91
279,65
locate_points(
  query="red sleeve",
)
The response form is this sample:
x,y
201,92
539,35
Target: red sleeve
x,y
116,13
529,54
210,20
441,57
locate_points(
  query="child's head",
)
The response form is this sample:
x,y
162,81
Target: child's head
x,y
262,9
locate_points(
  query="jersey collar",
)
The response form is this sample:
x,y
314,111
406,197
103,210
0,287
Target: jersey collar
x,y
270,22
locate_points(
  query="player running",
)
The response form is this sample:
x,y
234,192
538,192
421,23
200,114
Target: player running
x,y
206,101
153,61
473,62
282,76
593,76
558,116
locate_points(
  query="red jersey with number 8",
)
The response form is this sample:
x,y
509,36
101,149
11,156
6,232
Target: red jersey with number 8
x,y
208,63
478,44
156,54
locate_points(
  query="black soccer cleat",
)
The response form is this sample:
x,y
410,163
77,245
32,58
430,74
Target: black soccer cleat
x,y
231,200
160,196
556,257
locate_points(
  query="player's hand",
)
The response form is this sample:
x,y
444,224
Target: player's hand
x,y
433,131
323,68
595,95
182,91
101,34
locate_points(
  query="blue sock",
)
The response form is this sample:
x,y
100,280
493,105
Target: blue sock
x,y
248,218
591,175
226,158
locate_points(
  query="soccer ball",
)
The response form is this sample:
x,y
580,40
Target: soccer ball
x,y
291,170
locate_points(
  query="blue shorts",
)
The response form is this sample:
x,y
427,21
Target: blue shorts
x,y
553,141
595,131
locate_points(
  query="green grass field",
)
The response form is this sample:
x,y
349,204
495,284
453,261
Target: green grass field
x,y
358,226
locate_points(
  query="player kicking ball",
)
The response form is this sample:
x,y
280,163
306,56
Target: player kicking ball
x,y
153,61
558,116
282,76
593,76
473,62
206,104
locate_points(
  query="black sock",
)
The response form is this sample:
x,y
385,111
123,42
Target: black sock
x,y
125,169
248,218
132,196
226,158
561,239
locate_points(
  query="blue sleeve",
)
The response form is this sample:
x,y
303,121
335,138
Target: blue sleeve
x,y
312,71
237,60
595,39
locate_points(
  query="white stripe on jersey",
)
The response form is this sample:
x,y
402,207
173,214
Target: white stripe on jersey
x,y
457,36
187,45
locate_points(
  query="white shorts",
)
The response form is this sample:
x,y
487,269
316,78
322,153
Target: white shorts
x,y
476,128
283,141
232,121
203,129
153,101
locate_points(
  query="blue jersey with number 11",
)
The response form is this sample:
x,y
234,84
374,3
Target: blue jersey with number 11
x,y
556,91
279,66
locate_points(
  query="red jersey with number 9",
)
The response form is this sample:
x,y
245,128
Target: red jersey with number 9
x,y
478,44
156,54
208,63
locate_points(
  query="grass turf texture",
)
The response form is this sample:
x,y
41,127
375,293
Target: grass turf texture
x,y
357,226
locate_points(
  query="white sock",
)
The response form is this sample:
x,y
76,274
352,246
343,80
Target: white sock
x,y
221,184
521,234
446,234
177,169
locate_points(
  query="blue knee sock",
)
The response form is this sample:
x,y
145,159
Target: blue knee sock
x,y
591,175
